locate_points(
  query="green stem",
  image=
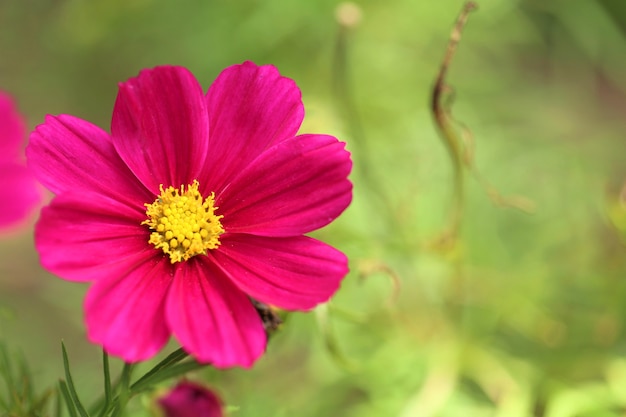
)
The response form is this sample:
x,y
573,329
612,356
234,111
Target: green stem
x,y
124,394
346,104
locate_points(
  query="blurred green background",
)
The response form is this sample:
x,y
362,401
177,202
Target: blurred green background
x,y
522,315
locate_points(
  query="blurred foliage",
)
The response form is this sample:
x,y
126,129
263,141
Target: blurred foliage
x,y
524,315
17,393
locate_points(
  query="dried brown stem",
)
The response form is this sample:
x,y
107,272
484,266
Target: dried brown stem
x,y
444,122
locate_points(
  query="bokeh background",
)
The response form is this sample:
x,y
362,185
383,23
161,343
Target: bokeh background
x,y
522,313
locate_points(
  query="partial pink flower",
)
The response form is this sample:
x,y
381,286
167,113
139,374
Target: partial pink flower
x,y
192,205
188,399
16,181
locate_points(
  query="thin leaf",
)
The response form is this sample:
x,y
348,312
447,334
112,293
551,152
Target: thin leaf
x,y
5,366
28,393
40,403
3,405
171,359
70,384
57,404
68,398
167,373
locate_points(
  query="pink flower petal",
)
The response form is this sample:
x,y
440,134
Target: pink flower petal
x,y
21,191
160,126
12,131
125,312
68,154
297,186
211,318
250,108
87,237
294,273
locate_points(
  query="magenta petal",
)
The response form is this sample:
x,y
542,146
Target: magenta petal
x,y
22,194
68,154
297,186
160,126
87,237
12,131
212,319
125,313
250,108
294,273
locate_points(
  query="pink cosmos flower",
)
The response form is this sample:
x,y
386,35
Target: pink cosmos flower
x,y
16,181
194,203
188,399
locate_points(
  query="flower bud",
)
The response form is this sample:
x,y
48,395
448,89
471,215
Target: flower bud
x,y
189,399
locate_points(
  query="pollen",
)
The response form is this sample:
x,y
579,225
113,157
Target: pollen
x,y
183,223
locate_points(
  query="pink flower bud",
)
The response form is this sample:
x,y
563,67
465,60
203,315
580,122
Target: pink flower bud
x,y
189,399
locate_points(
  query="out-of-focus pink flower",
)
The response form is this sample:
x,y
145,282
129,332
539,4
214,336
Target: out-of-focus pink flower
x,y
194,203
188,399
18,185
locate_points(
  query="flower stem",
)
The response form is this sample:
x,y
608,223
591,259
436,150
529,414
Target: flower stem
x,y
443,122
107,380
346,105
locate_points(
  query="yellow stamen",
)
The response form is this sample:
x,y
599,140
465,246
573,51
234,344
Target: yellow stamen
x,y
183,224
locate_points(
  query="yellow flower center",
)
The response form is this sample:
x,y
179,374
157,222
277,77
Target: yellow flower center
x,y
183,223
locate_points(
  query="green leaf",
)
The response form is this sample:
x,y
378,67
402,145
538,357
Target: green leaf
x,y
57,403
165,369
164,374
28,393
171,359
39,404
5,367
3,405
65,394
70,384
